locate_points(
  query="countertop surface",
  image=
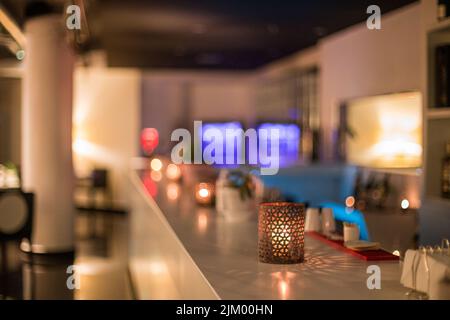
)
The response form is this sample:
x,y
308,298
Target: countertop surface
x,y
226,254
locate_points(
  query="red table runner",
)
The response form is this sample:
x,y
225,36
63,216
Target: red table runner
x,y
368,255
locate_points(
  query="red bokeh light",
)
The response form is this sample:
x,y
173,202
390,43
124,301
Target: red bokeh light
x,y
149,140
150,185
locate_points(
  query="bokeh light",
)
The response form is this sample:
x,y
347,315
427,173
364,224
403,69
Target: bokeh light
x,y
156,164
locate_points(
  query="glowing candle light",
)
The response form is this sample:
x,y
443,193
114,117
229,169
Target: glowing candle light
x,y
281,232
204,193
404,204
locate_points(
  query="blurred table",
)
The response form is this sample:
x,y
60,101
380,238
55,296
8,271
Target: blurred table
x,y
193,253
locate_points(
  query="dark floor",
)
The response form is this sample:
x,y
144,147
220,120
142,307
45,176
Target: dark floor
x,y
100,262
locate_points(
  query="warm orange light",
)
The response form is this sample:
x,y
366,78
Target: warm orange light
x,y
173,172
281,236
204,193
387,131
281,228
173,191
156,164
350,202
282,281
156,176
202,222
405,204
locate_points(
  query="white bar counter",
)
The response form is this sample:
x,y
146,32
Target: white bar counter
x,y
182,251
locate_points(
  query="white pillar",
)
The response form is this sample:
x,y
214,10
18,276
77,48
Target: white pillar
x,y
47,133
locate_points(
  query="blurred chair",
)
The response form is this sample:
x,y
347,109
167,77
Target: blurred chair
x,y
96,187
16,219
16,214
99,200
100,186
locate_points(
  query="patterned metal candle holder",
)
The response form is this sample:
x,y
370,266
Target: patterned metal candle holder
x,y
281,232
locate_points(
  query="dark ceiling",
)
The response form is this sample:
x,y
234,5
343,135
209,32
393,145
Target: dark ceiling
x,y
213,34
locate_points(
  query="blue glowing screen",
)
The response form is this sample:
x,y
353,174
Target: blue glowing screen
x,y
209,130
289,141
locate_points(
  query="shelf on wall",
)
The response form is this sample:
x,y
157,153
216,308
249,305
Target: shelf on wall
x,y
438,113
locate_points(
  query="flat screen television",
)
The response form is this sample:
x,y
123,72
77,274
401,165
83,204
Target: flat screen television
x,y
384,131
289,140
228,140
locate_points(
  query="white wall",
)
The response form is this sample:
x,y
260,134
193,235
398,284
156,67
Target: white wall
x,y
361,62
162,108
226,99
106,122
175,99
358,62
304,59
109,103
353,63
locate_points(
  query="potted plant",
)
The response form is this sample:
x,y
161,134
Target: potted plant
x,y
235,195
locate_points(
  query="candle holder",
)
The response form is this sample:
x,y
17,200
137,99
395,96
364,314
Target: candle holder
x,y
281,232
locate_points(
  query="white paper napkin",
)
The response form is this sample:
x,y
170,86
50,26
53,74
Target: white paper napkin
x,y
428,273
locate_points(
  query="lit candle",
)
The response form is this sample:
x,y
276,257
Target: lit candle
x,y
280,236
204,193
404,204
281,230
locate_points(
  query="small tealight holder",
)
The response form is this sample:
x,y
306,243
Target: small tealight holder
x,y
204,193
281,232
328,223
312,221
351,232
